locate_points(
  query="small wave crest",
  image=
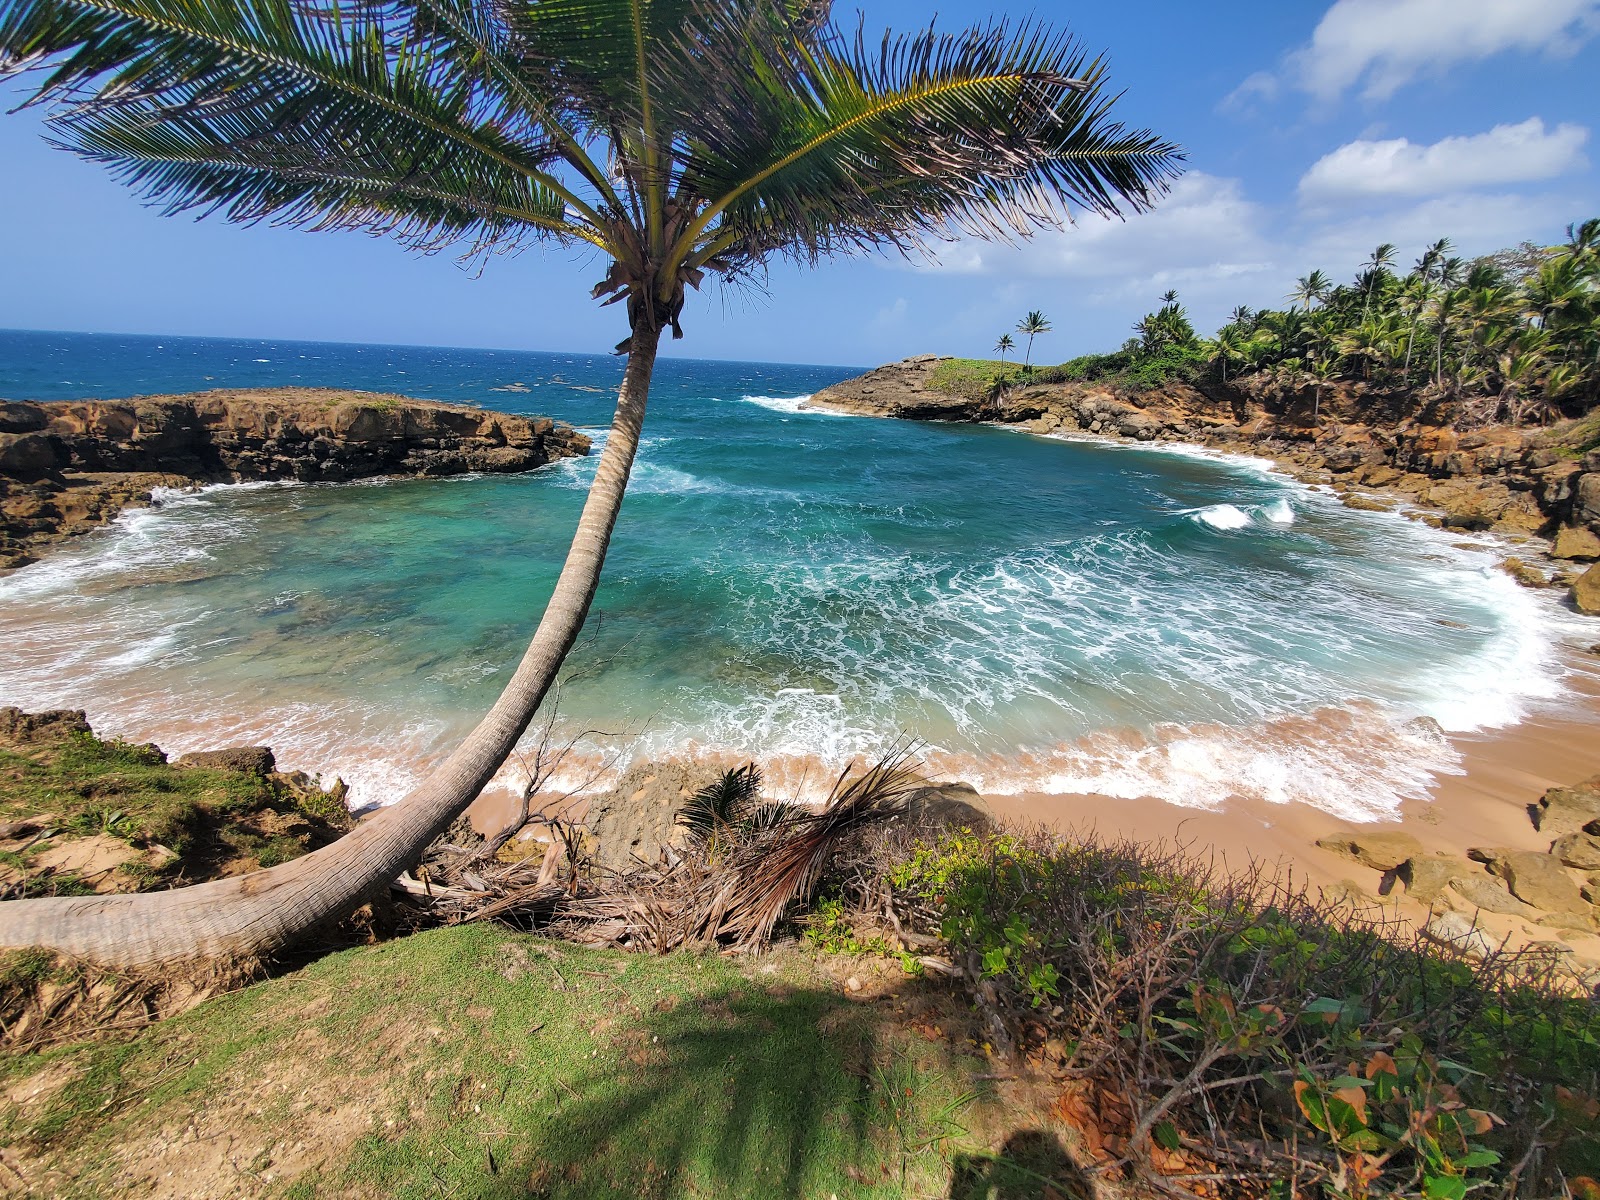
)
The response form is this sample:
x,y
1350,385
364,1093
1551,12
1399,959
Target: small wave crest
x,y
1222,516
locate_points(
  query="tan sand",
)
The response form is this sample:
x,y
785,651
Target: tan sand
x,y
1504,771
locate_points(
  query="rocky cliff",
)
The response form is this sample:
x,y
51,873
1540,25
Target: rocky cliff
x,y
67,466
1371,447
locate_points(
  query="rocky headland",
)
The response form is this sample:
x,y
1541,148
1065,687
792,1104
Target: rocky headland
x,y
69,466
1380,451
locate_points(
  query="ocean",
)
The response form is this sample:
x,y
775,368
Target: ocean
x,y
793,586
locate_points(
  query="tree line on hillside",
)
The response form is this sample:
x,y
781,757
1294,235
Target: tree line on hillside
x,y
1510,337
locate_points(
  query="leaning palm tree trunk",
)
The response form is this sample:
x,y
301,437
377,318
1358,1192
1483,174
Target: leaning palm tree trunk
x,y
253,915
674,137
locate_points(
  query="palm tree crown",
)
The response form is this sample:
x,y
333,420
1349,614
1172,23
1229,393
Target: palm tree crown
x,y
1033,324
1005,346
674,136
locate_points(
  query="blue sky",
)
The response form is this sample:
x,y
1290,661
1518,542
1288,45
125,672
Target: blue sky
x,y
1314,131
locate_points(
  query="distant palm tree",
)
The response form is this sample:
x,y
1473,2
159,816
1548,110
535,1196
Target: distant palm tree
x,y
673,137
1241,316
1033,324
1312,288
1005,345
1380,260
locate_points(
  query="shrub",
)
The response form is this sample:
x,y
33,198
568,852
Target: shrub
x,y
1243,1029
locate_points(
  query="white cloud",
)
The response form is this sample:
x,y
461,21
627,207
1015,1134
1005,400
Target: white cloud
x,y
1398,167
1205,228
1382,45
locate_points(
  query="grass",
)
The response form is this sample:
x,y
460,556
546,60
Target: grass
x,y
972,378
476,1062
208,818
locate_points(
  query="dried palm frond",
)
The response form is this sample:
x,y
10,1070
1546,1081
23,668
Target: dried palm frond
x,y
730,887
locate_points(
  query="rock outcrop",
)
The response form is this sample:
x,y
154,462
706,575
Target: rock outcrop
x,y
67,466
1512,481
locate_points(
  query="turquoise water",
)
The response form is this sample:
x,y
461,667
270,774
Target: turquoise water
x,y
800,586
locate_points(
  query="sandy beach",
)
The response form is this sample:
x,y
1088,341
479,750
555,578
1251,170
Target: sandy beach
x,y
1503,772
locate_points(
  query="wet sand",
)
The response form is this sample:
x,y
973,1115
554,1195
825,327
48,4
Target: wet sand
x,y
1503,772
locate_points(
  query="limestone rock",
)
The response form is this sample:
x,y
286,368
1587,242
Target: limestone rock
x,y
1580,850
949,806
1523,573
1586,590
1364,503
1481,891
1459,933
19,726
68,466
1576,542
1382,851
1565,810
1427,875
638,818
1534,878
247,760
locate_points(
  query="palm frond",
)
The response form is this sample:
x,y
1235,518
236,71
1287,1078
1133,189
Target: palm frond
x,y
286,100
723,803
837,145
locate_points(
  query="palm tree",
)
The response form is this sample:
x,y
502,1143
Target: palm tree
x,y
673,137
1309,289
1033,324
1376,265
1005,345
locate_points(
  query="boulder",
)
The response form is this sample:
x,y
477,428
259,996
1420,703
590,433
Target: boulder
x,y
1382,851
1576,542
1580,850
1482,891
638,819
1565,810
27,455
1525,574
1427,875
1586,497
19,726
247,760
1586,589
1457,932
949,806
1534,878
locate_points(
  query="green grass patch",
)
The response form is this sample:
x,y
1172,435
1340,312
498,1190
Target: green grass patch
x,y
974,379
89,787
474,1061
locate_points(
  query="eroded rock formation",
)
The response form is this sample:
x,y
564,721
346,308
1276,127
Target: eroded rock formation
x,y
67,466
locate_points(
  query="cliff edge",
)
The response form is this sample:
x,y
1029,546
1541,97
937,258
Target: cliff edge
x,y
69,466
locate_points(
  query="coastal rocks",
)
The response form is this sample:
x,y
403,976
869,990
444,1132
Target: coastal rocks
x,y
1425,876
55,723
1586,591
248,760
901,389
1457,932
1489,894
1576,543
1380,851
1525,574
638,819
66,467
949,806
1563,810
1580,850
1534,878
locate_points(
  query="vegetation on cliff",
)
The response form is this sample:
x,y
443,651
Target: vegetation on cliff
x,y
1511,337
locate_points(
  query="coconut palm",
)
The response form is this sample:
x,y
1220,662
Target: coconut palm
x,y
1033,324
1311,289
672,138
1381,258
1005,346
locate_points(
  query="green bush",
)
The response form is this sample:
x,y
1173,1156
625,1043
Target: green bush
x,y
1347,1051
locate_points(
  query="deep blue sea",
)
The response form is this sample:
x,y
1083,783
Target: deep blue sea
x,y
1044,614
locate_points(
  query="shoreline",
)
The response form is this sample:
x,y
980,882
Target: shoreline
x,y
1502,770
